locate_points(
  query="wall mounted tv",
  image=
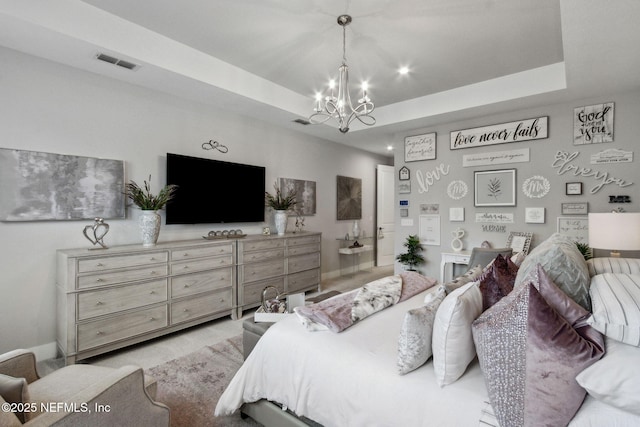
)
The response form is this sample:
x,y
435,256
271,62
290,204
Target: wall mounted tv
x,y
213,191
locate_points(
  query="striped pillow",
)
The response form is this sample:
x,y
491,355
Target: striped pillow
x,y
615,302
613,265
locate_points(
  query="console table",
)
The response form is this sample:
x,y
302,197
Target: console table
x,y
448,259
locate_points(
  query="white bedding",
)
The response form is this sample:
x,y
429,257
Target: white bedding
x,y
350,379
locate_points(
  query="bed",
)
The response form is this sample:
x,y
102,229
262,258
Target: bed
x,y
351,379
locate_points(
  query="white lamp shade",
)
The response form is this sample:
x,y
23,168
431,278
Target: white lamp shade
x,y
614,231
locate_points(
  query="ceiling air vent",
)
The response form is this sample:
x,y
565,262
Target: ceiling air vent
x,y
302,122
115,61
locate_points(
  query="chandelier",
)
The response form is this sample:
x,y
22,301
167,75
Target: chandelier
x,y
340,107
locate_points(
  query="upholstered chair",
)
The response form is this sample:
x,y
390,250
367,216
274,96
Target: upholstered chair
x,y
77,395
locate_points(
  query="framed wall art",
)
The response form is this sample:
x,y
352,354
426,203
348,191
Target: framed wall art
x,y
573,188
305,194
420,147
575,208
593,124
534,215
577,228
495,188
38,186
349,193
404,174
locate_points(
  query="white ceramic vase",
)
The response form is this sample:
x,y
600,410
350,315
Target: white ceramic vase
x,y
281,222
149,222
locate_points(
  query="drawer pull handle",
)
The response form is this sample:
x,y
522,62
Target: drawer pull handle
x,y
99,303
151,319
152,292
186,310
99,264
99,280
185,254
99,333
153,273
152,258
186,286
186,267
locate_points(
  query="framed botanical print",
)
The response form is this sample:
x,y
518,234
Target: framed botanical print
x,y
495,188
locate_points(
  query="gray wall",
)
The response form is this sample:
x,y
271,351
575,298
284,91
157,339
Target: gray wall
x,y
52,108
542,154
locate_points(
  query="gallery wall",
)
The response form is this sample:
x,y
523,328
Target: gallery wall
x,y
544,167
49,107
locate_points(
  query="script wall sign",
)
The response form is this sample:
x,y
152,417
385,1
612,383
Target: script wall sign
x,y
521,130
593,124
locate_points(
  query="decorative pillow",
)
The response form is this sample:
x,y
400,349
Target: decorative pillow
x,y
414,344
497,281
530,355
613,265
15,390
616,306
564,263
453,347
615,379
470,276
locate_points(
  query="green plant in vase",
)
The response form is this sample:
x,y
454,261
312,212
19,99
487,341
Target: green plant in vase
x,y
412,257
281,203
149,203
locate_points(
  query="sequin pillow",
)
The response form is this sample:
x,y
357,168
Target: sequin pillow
x,y
414,343
531,345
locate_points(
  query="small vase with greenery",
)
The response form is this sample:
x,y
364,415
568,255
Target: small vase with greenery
x,y
142,197
149,221
412,257
280,201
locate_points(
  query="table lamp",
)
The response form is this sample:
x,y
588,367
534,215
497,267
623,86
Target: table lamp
x,y
616,231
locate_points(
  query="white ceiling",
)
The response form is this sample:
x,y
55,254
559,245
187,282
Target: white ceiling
x,y
267,58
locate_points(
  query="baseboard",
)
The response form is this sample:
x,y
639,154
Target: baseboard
x,y
45,351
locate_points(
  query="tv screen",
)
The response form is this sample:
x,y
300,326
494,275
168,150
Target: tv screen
x,y
213,191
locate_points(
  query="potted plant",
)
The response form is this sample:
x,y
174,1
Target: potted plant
x,y
281,203
149,204
412,257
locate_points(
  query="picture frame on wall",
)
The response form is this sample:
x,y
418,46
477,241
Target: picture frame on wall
x,y
534,215
573,189
404,174
495,188
420,147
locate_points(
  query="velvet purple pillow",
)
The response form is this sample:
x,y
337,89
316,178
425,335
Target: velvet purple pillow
x,y
497,281
531,345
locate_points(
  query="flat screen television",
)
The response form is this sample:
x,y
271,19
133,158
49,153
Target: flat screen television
x,y
213,191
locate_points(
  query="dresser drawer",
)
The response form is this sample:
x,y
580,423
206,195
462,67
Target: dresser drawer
x,y
98,303
87,265
114,277
252,293
306,240
262,270
303,280
106,331
303,262
204,305
304,249
258,245
262,255
201,264
190,284
197,252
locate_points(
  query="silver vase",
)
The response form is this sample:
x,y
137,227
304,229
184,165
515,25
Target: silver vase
x,y
281,222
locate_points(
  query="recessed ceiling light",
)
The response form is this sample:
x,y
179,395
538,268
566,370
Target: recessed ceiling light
x,y
403,71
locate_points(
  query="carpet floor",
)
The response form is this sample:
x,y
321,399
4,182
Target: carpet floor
x,y
192,384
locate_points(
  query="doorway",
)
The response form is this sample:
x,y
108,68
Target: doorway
x,y
385,209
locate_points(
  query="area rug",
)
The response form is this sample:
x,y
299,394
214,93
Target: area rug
x,y
191,385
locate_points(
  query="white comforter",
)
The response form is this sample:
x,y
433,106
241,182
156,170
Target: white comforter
x,y
350,378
